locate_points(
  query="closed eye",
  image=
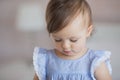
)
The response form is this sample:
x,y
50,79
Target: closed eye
x,y
59,40
73,40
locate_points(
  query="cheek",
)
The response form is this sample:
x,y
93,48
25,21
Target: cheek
x,y
57,45
78,45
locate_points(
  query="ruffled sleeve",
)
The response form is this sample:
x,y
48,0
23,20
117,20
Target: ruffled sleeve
x,y
39,62
99,57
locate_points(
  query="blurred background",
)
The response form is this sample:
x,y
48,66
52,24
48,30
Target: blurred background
x,y
22,27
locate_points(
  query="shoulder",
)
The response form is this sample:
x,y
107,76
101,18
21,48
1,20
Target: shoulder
x,y
38,54
38,50
41,54
40,61
100,58
100,53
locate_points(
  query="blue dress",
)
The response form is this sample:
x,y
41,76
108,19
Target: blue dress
x,y
48,66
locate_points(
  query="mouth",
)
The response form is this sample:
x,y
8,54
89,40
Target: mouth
x,y
67,52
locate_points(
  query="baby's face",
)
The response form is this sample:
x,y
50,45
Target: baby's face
x,y
71,40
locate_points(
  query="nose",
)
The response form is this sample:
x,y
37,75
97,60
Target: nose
x,y
66,45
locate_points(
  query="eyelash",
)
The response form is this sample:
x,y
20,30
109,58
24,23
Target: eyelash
x,y
58,40
73,40
61,40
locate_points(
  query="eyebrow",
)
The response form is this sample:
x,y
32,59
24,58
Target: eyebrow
x,y
72,37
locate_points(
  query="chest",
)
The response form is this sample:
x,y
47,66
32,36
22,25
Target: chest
x,y
61,67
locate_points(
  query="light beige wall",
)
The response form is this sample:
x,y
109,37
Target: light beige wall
x,y
16,46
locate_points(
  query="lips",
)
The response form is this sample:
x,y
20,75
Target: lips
x,y
67,52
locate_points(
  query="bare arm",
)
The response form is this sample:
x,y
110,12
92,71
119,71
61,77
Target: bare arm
x,y
102,73
35,77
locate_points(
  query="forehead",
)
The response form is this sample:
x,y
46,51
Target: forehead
x,y
74,28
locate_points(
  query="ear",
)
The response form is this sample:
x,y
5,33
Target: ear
x,y
89,30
